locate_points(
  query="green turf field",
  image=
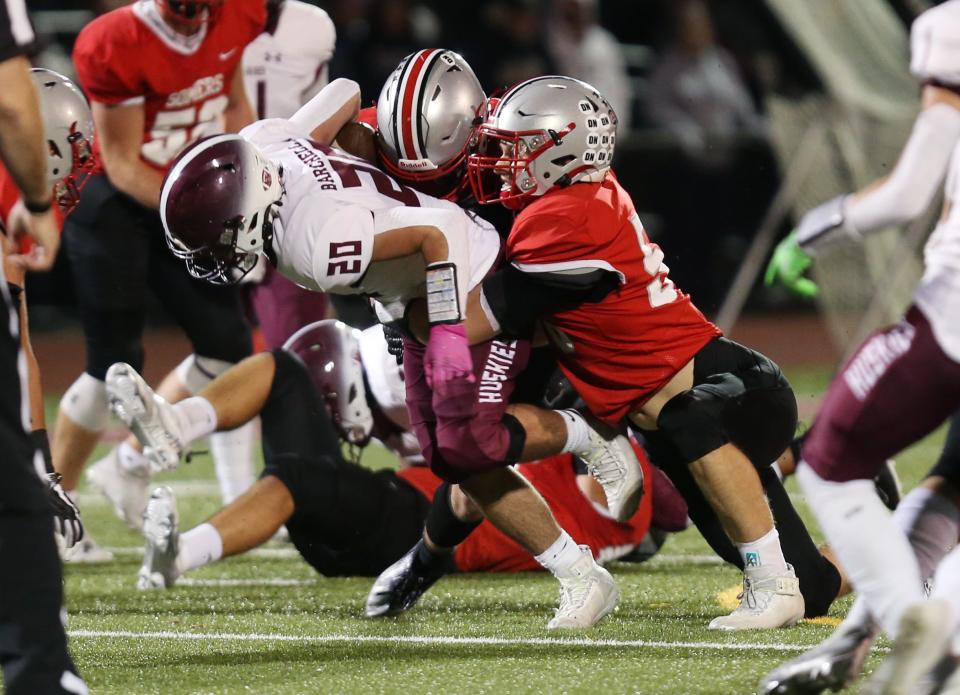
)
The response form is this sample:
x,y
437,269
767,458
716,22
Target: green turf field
x,y
266,623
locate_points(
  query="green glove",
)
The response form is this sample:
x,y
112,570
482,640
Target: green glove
x,y
788,264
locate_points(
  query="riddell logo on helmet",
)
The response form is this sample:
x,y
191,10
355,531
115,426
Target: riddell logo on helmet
x,y
267,179
416,164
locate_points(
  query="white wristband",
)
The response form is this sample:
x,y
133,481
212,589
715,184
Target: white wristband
x,y
443,296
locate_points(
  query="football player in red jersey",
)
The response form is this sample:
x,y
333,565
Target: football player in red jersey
x,y
342,387
160,74
631,343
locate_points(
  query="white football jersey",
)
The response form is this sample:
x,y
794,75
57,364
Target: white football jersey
x,y
938,294
335,204
935,56
287,64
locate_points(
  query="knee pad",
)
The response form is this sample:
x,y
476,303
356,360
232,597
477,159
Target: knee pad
x,y
478,444
197,371
693,421
85,403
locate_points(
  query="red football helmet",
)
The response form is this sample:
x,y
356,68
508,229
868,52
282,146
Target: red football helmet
x,y
218,206
189,15
330,350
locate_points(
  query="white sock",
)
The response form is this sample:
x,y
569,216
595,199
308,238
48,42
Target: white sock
x,y
578,431
870,546
764,552
560,556
946,586
197,418
132,460
232,453
931,522
198,547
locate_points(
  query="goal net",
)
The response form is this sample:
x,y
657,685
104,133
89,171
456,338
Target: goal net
x,y
838,140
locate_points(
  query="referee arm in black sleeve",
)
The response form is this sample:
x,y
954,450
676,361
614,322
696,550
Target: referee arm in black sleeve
x,y
515,299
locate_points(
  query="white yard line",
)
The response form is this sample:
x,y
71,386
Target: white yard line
x,y
266,581
274,553
427,640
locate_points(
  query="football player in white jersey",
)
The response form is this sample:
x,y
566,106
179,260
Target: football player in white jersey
x,y
288,63
332,222
900,385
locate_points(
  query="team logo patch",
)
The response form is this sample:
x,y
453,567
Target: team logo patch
x,y
267,179
753,559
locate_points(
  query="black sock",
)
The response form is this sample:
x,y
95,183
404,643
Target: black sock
x,y
443,527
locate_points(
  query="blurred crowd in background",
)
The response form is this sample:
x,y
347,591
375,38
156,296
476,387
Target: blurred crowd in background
x,y
688,78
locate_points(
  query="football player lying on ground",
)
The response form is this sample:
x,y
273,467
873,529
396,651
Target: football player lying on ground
x,y
714,414
334,223
425,143
344,519
902,383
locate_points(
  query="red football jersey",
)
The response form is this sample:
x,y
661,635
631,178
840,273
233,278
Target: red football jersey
x,y
488,550
127,56
618,352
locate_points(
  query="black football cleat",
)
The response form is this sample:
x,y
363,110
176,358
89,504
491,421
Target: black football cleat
x,y
400,586
832,665
888,486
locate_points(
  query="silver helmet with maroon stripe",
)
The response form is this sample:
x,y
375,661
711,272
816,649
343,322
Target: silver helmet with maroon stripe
x,y
218,205
427,115
330,350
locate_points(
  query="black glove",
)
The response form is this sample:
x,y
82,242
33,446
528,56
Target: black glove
x,y
66,516
394,338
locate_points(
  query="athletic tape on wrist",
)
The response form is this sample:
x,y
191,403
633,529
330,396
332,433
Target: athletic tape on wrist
x,y
443,295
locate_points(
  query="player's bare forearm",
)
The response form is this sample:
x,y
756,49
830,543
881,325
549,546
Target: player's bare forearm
x,y
120,132
426,240
239,113
22,148
137,180
479,328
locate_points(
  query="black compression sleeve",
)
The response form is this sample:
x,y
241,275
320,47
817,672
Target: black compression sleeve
x,y
517,299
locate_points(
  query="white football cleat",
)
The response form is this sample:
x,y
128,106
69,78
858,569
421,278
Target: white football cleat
x,y
613,464
832,665
149,416
767,601
586,596
86,552
160,522
128,491
922,640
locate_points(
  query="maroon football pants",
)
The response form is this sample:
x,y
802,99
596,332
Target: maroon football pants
x,y
896,389
460,425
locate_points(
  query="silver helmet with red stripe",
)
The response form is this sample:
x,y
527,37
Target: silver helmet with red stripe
x,y
427,116
545,132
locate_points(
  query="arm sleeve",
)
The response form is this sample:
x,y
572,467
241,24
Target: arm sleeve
x,y
916,178
543,294
324,105
16,32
